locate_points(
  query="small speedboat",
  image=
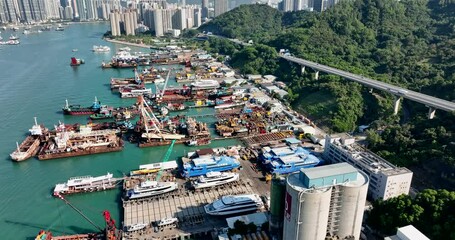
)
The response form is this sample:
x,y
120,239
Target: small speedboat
x,y
74,50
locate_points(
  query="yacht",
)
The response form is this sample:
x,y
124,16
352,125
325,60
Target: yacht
x,y
26,32
170,221
151,188
212,179
126,49
205,84
101,48
234,204
135,227
86,184
60,28
13,37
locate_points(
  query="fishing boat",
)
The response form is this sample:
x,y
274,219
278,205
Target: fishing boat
x,y
212,179
86,184
30,146
151,188
234,204
105,113
76,61
78,110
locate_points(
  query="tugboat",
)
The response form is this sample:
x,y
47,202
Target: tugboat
x,y
78,110
105,113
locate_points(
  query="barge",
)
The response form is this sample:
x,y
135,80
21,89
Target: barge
x,y
85,142
30,146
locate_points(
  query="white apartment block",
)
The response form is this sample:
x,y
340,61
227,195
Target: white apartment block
x,y
386,179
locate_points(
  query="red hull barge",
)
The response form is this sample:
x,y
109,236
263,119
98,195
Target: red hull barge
x,y
92,150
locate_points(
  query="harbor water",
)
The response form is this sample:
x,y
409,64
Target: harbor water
x,y
35,80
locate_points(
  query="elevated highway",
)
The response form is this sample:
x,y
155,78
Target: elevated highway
x,y
431,102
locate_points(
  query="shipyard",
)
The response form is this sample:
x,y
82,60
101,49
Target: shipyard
x,y
170,199
204,149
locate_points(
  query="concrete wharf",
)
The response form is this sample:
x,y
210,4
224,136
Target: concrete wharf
x,y
266,138
184,204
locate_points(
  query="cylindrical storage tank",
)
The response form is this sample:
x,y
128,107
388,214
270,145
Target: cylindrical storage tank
x,y
352,200
277,193
306,210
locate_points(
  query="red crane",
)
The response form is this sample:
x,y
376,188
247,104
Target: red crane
x,y
110,231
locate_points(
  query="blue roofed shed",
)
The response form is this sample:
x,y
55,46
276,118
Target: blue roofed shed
x,y
328,175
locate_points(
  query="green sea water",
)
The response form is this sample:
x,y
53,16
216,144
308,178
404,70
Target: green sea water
x,y
35,80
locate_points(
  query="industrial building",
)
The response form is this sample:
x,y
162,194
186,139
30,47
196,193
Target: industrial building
x,y
386,179
408,233
325,201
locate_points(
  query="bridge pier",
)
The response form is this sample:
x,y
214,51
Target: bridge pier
x,y
302,70
396,105
431,112
316,75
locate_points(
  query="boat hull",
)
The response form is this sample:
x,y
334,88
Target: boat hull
x,y
218,183
32,150
152,193
232,212
88,189
92,150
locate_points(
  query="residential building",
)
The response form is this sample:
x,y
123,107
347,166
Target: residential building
x,y
205,9
325,201
386,179
221,6
115,23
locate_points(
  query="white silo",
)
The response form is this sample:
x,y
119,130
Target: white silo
x,y
324,200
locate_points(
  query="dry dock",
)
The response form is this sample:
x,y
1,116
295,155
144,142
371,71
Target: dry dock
x,y
186,205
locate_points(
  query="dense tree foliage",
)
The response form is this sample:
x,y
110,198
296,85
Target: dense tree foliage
x,y
410,43
432,212
251,23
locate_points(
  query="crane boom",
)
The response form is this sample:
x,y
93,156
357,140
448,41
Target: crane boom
x,y
165,159
79,211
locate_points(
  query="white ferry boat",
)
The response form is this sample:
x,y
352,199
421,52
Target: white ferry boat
x,y
212,179
151,188
86,184
134,93
234,204
205,84
136,227
101,48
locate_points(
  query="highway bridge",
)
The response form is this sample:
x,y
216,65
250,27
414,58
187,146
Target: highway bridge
x,y
432,103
